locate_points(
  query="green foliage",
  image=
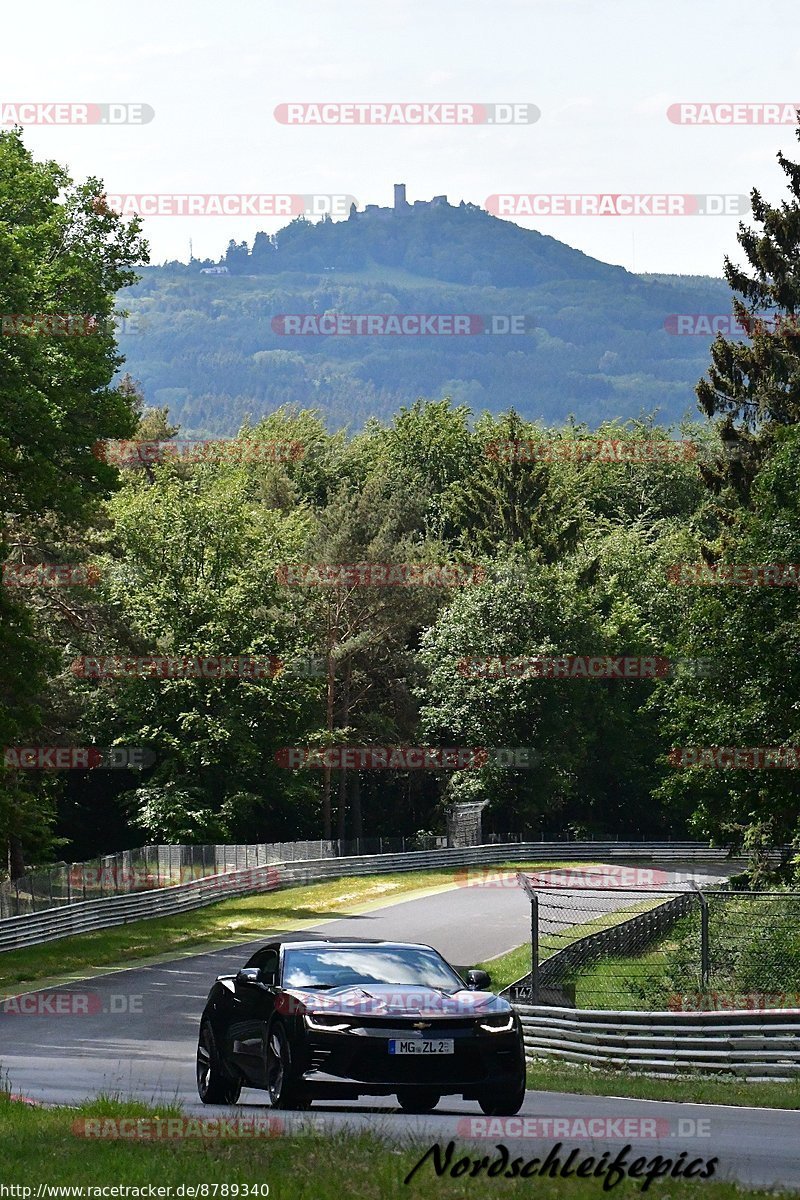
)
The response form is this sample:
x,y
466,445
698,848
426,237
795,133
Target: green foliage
x,y
750,634
754,955
752,389
61,253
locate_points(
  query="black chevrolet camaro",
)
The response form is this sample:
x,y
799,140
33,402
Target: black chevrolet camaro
x,y
325,1019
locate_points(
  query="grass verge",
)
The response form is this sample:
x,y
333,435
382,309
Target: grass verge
x,y
227,923
38,1146
506,968
624,982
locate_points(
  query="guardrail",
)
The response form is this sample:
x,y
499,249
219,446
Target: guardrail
x,y
155,866
84,916
757,1045
144,868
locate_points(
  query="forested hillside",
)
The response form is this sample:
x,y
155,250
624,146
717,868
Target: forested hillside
x,y
599,341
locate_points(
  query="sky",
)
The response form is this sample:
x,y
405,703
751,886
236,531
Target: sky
x,y
603,76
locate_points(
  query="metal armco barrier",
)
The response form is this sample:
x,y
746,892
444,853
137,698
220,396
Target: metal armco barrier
x,y
757,1044
32,929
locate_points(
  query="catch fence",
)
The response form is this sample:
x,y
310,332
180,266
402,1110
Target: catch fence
x,y
149,867
699,949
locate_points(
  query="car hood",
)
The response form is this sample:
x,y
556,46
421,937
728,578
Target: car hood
x,y
378,1000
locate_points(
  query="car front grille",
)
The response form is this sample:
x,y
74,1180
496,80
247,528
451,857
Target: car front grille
x,y
376,1066
401,1026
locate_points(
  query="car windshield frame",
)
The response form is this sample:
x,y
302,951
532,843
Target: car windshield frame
x,y
442,977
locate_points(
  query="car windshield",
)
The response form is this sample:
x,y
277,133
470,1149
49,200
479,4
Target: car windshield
x,y
329,967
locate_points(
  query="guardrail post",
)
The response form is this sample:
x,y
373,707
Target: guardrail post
x,y
534,948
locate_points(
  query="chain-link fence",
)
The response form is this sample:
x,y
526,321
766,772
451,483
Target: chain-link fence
x,y
639,947
149,867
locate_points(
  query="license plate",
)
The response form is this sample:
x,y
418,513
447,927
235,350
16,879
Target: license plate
x,y
421,1046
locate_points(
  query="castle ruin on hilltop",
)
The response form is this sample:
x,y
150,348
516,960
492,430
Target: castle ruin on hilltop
x,y
400,204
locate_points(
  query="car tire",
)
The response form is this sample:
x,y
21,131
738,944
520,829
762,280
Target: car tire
x,y
214,1085
418,1100
505,1103
282,1083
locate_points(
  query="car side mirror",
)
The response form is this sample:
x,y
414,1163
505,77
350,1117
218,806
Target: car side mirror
x,y
478,980
249,975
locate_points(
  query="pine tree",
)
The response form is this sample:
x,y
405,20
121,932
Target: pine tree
x,y
753,387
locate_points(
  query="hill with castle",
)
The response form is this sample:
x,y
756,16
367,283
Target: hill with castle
x,y
590,339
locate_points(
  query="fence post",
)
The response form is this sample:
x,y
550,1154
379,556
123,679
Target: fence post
x,y
705,963
534,948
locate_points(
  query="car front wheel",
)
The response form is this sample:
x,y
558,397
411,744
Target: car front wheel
x,y
214,1086
503,1104
283,1084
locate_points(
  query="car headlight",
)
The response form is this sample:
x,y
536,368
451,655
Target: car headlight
x,y
503,1023
323,1024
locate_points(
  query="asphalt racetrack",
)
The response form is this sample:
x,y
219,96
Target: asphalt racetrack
x,y
133,1034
